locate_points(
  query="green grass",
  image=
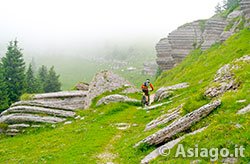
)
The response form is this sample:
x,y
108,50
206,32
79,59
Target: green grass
x,y
84,140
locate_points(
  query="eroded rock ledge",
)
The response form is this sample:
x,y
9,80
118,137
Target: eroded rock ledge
x,y
180,125
177,45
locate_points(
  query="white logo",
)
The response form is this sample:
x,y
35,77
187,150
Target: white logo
x,y
164,151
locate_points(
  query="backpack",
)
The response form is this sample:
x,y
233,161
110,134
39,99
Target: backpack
x,y
146,84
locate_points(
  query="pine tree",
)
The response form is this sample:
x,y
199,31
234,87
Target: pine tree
x,y
52,83
218,8
32,84
230,4
14,68
42,76
3,91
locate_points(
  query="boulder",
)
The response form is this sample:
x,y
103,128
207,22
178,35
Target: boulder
x,y
115,98
157,152
164,119
104,81
165,92
180,125
244,110
224,79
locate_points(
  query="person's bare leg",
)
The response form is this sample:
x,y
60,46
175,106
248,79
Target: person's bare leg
x,y
147,98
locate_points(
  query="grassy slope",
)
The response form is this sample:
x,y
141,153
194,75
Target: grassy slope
x,y
83,140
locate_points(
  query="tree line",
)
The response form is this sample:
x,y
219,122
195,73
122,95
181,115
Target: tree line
x,y
226,5
15,80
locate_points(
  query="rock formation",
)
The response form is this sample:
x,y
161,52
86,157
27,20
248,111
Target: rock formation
x,y
244,110
224,79
104,81
149,68
204,33
180,125
154,154
245,6
164,119
165,92
115,98
42,108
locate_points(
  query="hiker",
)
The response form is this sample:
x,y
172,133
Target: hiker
x,y
145,87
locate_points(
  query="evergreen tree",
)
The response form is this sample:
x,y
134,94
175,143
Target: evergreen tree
x,y
14,68
42,76
230,4
218,8
52,83
32,84
3,91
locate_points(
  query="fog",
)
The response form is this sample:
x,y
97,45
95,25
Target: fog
x,y
73,26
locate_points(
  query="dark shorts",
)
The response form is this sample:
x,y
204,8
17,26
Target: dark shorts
x,y
145,90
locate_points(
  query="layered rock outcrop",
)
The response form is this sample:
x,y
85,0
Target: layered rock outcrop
x,y
149,68
42,108
180,125
104,81
245,6
165,92
202,33
225,79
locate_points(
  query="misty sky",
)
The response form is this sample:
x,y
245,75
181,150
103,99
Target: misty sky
x,y
47,24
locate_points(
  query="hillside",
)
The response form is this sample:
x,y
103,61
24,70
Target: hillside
x,y
101,138
83,66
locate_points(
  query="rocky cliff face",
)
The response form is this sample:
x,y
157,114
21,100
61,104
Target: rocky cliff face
x,y
245,6
204,33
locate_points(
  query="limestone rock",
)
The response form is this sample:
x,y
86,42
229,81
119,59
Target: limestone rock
x,y
164,119
18,126
115,98
164,92
104,81
154,154
180,125
224,79
44,104
214,28
245,6
230,160
244,110
20,118
82,86
68,99
172,50
33,109
150,68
